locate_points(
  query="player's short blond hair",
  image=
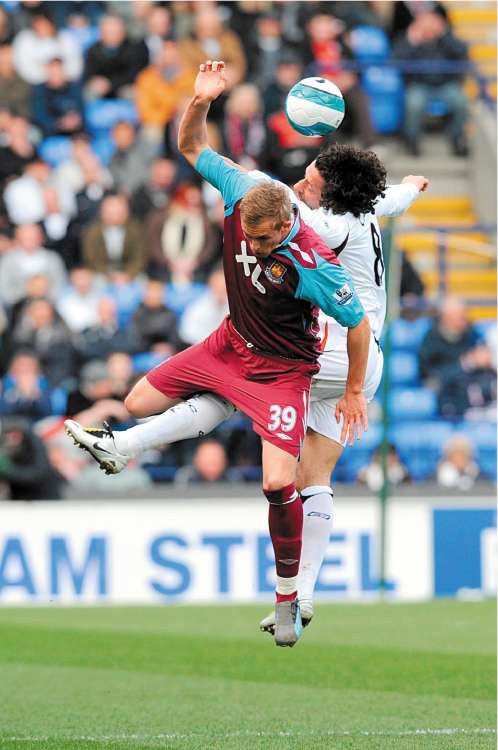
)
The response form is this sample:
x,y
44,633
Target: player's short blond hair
x,y
267,200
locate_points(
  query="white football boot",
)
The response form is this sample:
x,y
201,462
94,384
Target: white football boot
x,y
99,442
267,624
288,625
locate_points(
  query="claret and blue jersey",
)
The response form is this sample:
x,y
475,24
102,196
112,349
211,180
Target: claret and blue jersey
x,y
274,301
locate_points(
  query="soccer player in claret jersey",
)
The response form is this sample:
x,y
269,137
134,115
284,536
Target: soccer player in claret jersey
x,y
263,356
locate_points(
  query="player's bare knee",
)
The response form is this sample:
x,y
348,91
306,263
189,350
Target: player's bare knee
x,y
275,483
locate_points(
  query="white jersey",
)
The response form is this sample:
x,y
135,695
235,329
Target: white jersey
x,y
358,244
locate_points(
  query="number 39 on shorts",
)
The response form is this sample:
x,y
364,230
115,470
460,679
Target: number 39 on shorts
x,y
282,418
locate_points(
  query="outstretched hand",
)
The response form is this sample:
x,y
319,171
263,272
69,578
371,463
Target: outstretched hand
x,y
210,81
421,182
352,407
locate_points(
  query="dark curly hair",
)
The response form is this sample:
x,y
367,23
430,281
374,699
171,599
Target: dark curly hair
x,y
354,179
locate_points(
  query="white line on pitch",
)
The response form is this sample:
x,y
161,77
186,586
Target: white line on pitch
x,y
253,733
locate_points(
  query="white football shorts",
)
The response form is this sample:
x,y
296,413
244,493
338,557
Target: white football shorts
x,y
328,385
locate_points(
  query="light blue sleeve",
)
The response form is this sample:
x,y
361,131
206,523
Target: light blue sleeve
x,y
331,288
232,183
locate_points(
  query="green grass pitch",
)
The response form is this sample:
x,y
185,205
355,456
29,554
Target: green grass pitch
x,y
363,677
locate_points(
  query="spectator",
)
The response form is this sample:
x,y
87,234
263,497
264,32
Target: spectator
x,y
57,103
181,237
453,359
206,313
373,477
131,161
71,14
158,27
29,258
287,153
89,199
480,380
14,91
182,290
120,370
429,40
210,464
155,191
161,87
243,126
153,323
37,287
78,303
94,396
114,245
33,48
212,42
24,390
17,150
24,197
457,469
6,31
265,46
39,328
61,232
105,337
82,171
328,51
288,71
24,464
404,13
113,63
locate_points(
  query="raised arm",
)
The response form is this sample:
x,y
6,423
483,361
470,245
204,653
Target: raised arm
x,y
400,197
192,135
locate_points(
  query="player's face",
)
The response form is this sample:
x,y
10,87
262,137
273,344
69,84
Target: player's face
x,y
264,237
309,189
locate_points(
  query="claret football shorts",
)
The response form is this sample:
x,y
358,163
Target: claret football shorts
x,y
272,391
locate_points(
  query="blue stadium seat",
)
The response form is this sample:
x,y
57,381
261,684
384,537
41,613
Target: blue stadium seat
x,y
355,458
160,473
420,445
145,361
55,150
58,400
403,368
127,298
437,108
483,437
370,44
409,334
102,114
103,148
485,327
384,88
412,403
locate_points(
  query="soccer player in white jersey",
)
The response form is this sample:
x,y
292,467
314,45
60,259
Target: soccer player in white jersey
x,y
341,197
344,193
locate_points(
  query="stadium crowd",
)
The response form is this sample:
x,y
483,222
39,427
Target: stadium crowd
x,y
110,248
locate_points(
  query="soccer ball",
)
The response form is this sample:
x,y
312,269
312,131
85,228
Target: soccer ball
x,y
315,106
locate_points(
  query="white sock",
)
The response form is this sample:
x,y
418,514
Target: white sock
x,y
317,525
188,419
286,585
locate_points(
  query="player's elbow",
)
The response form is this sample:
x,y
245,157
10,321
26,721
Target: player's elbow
x,y
358,324
363,324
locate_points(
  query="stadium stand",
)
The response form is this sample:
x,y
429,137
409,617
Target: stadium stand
x,y
66,177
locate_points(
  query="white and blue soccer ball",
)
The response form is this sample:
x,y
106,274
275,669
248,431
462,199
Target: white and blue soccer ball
x,y
315,106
